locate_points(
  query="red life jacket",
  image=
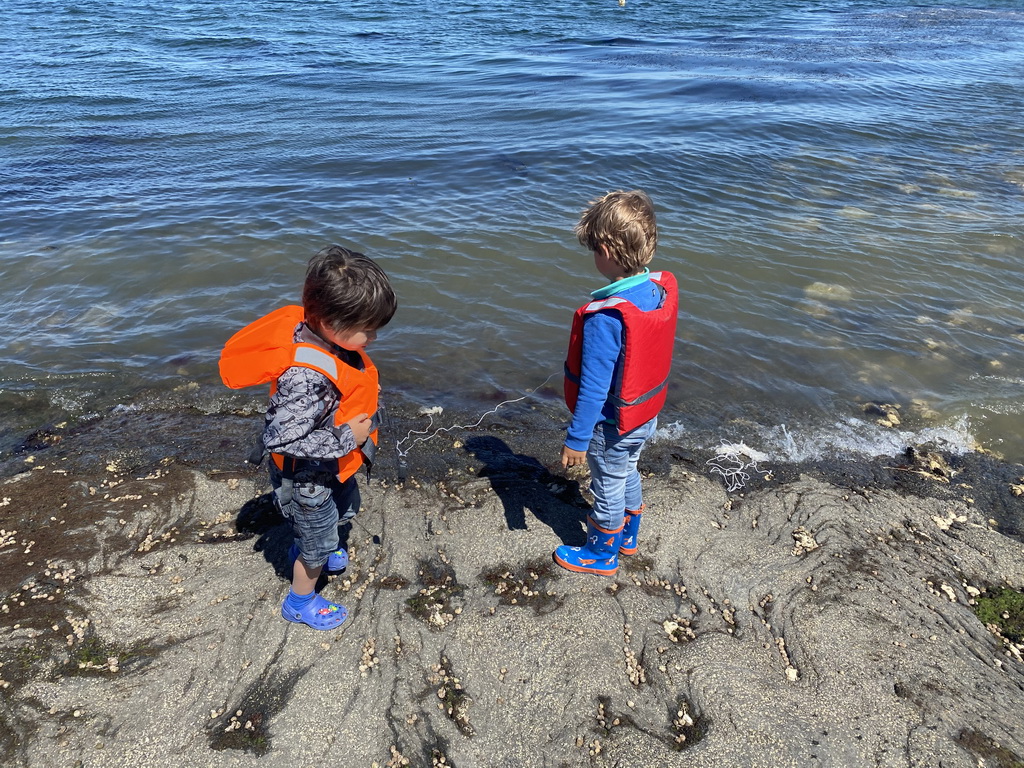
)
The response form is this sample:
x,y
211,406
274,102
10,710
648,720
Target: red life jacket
x,y
639,389
265,349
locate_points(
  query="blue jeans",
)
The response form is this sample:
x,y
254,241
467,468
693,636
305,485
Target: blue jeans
x,y
319,503
614,479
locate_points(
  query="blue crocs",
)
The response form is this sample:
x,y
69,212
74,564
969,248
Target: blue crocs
x,y
318,613
336,563
599,555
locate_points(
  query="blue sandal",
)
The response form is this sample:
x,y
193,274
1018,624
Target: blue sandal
x,y
336,563
319,614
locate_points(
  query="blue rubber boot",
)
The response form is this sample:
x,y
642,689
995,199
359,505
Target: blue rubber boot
x,y
630,531
599,555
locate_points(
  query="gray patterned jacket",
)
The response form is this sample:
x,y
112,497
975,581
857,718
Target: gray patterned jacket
x,y
300,417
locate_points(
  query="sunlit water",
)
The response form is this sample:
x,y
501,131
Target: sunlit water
x,y
840,190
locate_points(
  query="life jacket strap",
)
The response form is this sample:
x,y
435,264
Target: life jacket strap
x,y
257,452
620,403
570,375
369,448
285,491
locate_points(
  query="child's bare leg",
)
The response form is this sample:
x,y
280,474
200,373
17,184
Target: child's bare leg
x,y
303,577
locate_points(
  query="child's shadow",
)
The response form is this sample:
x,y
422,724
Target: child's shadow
x,y
261,518
522,482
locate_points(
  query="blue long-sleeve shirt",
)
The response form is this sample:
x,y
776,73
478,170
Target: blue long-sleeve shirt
x,y
602,356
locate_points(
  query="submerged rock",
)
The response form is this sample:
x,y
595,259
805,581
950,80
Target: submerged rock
x,y
827,292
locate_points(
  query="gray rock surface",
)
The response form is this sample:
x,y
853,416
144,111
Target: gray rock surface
x,y
799,625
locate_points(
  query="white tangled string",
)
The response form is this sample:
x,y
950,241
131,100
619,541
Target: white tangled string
x,y
735,462
431,412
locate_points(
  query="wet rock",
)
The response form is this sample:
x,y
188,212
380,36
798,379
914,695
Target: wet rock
x,y
888,413
820,622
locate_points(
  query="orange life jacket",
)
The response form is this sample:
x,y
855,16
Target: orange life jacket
x,y
265,349
640,388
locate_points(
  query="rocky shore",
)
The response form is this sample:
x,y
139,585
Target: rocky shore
x,y
849,613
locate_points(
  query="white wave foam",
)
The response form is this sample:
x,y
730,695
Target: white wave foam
x,y
850,437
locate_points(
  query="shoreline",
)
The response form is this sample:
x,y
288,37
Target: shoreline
x,y
821,612
428,445
785,427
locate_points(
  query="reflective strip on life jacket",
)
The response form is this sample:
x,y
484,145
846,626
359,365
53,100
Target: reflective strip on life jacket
x,y
311,357
597,306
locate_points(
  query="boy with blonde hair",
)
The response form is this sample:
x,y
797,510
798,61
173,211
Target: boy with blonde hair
x,y
616,373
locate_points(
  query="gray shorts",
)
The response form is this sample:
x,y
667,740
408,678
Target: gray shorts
x,y
319,504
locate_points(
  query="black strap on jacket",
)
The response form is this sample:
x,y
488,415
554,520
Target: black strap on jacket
x,y
286,489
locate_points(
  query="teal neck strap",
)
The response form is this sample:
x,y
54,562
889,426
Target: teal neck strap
x,y
621,285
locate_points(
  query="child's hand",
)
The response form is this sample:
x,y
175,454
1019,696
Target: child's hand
x,y
360,427
571,458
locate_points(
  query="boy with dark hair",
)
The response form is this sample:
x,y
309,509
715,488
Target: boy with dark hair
x,y
321,423
616,373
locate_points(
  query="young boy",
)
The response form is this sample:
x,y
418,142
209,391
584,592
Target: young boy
x,y
616,373
321,424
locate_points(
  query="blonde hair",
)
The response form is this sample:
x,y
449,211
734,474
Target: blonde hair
x,y
625,223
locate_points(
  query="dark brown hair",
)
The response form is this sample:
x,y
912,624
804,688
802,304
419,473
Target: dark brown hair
x,y
347,291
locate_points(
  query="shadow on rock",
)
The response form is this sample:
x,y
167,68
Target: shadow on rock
x,y
522,482
261,518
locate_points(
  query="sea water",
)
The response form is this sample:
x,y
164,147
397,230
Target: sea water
x,y
839,189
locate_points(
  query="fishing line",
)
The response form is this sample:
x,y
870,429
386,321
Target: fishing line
x,y
431,412
733,462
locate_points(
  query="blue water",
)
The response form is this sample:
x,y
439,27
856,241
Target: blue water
x,y
840,189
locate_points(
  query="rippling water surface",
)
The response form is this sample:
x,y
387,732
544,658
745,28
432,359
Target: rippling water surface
x,y
840,189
